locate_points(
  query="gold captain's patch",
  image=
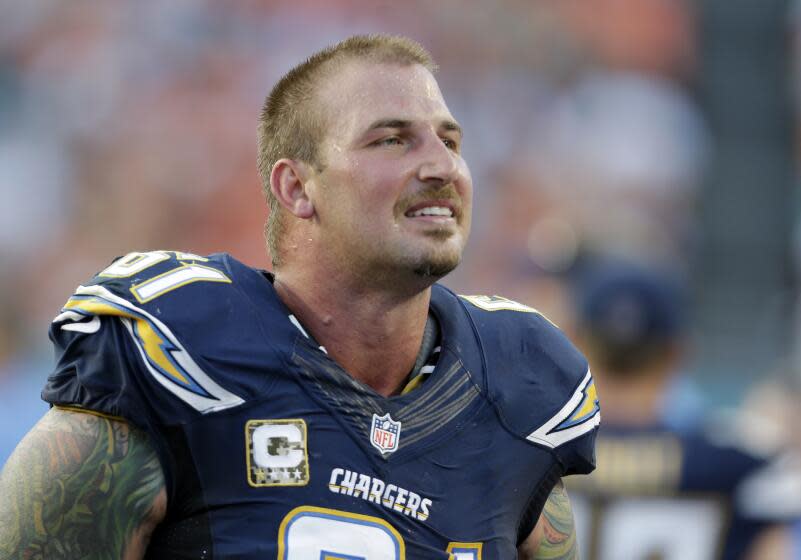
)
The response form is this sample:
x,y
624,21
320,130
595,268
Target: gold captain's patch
x,y
277,452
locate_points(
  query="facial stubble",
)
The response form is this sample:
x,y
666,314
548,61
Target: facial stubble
x,y
438,265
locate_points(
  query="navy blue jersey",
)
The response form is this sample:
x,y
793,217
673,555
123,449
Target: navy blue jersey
x,y
662,494
271,450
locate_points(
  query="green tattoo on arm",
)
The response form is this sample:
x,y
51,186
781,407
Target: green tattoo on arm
x,y
554,537
80,486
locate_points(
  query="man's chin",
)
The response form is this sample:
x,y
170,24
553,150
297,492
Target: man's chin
x,y
437,268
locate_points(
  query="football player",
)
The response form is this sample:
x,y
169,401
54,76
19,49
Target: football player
x,y
344,406
688,493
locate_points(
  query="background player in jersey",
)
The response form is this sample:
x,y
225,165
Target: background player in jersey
x,y
682,492
202,404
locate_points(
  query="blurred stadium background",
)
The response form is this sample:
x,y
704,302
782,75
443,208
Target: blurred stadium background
x,y
657,130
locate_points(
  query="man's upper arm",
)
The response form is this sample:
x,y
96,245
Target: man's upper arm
x,y
80,485
554,536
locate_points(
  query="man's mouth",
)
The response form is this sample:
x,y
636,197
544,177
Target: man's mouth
x,y
431,208
431,211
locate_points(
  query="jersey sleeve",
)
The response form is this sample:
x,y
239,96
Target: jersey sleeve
x,y
97,369
115,355
541,384
571,431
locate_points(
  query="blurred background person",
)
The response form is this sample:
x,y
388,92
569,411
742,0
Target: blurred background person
x,y
660,492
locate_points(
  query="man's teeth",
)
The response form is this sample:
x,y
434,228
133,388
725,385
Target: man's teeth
x,y
432,211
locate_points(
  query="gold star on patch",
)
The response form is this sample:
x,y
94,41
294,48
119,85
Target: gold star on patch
x,y
261,475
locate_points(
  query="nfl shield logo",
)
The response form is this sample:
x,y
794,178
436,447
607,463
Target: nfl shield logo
x,y
385,433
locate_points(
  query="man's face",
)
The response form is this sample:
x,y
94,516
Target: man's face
x,y
394,194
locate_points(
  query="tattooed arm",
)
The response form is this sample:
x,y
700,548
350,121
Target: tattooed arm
x,y
80,485
554,536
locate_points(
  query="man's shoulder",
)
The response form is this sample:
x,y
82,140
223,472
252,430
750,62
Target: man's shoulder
x,y
521,345
145,277
509,318
163,327
183,290
494,318
539,382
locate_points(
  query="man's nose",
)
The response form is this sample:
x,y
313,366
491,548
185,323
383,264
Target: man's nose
x,y
438,163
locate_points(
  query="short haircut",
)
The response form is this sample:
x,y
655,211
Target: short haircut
x,y
291,125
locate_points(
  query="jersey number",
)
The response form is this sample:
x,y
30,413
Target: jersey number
x,y
186,273
329,534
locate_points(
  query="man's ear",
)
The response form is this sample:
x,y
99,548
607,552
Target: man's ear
x,y
288,185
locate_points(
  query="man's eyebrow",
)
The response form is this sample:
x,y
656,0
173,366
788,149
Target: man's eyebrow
x,y
452,126
390,123
401,124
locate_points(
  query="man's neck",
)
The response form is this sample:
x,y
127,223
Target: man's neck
x,y
631,401
374,335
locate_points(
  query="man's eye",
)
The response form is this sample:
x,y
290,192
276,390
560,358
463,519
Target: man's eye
x,y
451,144
389,141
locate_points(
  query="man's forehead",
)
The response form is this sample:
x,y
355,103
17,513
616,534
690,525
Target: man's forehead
x,y
361,73
359,93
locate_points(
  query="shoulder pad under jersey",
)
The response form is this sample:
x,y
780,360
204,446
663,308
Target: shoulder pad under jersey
x,y
540,383
159,330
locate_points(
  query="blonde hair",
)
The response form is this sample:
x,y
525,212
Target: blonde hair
x,y
291,125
